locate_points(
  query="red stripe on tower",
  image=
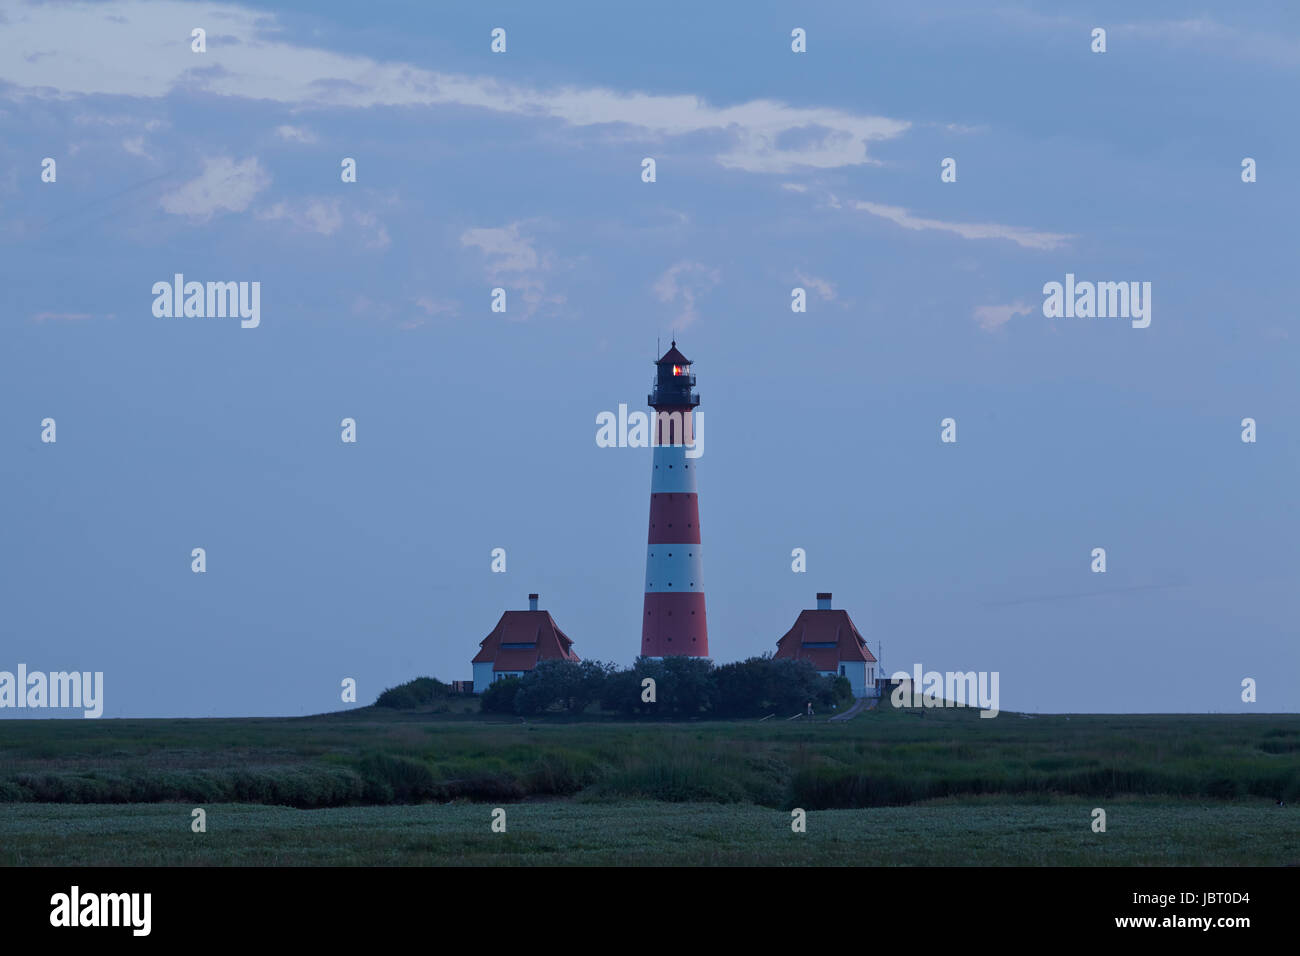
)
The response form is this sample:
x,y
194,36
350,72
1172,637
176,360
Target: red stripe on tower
x,y
674,621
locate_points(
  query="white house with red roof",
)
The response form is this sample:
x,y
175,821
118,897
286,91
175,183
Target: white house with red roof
x,y
828,639
517,643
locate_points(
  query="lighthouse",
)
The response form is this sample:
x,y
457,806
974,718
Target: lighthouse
x,y
674,622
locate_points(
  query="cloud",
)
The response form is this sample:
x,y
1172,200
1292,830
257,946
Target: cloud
x,y
682,285
823,287
398,314
508,251
320,216
1021,236
295,134
991,317
364,307
1204,35
135,146
432,306
515,264
374,233
325,217
62,316
137,53
223,186
118,119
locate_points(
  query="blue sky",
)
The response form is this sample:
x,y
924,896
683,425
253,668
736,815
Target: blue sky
x,y
476,430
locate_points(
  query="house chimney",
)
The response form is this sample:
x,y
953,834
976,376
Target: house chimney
x,y
532,602
823,600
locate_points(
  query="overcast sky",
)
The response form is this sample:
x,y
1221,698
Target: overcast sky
x,y
476,430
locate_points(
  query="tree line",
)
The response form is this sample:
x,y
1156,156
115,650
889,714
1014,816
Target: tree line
x,y
669,687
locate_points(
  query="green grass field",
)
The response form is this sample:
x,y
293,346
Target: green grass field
x,y
567,832
890,787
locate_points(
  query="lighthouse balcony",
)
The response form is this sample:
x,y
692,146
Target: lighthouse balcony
x,y
672,396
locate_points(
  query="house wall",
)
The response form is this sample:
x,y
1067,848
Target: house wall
x,y
482,676
856,672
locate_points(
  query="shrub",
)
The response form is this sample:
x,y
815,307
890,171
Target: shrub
x,y
499,696
841,692
421,692
565,685
621,694
762,685
547,686
393,779
688,687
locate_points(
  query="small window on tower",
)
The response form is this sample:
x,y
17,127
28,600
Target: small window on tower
x,y
681,369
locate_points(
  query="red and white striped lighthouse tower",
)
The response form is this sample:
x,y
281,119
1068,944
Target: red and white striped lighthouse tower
x,y
674,586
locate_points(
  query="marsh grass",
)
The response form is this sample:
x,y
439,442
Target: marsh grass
x,y
984,831
883,758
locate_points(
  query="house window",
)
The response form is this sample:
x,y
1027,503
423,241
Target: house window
x,y
841,670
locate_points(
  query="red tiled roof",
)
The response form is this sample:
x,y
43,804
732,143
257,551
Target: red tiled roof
x,y
821,658
537,630
833,627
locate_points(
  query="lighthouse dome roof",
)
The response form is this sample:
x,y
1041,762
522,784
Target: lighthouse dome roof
x,y
673,357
